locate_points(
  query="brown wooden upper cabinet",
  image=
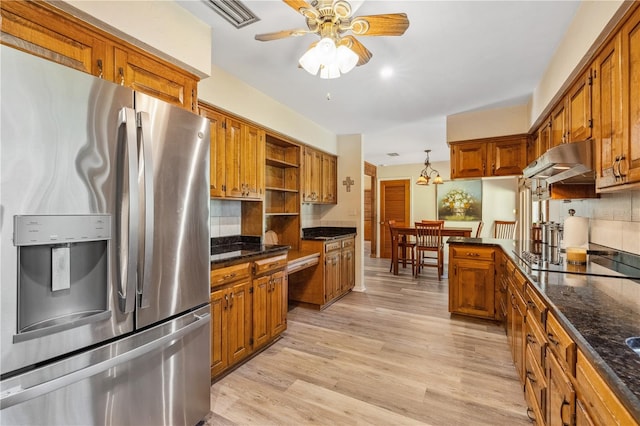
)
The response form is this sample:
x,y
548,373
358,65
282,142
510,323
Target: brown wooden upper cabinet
x,y
46,31
237,157
571,119
319,183
497,156
617,106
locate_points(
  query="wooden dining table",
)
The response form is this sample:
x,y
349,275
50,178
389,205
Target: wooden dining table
x,y
404,231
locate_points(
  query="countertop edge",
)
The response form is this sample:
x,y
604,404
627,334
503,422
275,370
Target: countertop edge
x,y
619,388
215,264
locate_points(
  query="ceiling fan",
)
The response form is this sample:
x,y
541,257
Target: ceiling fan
x,y
337,53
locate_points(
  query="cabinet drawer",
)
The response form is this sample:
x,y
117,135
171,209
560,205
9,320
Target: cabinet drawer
x,y
477,253
561,344
334,245
536,341
600,403
229,274
349,243
536,308
270,264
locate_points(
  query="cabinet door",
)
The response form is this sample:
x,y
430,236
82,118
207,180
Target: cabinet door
x,y
307,177
561,396
332,275
544,139
579,114
607,101
629,163
261,290
508,157
233,146
146,75
312,179
348,275
219,359
239,322
559,124
278,303
252,162
468,160
473,291
329,179
216,152
37,29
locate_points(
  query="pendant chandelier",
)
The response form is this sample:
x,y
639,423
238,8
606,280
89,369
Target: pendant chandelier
x,y
426,174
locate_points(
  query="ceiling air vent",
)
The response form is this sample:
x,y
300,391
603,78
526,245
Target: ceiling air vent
x,y
393,154
233,11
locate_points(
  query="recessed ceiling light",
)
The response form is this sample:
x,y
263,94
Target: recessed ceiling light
x,y
386,72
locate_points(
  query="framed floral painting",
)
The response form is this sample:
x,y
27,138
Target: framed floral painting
x,y
459,200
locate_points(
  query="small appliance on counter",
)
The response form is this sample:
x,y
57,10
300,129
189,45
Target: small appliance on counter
x,y
576,238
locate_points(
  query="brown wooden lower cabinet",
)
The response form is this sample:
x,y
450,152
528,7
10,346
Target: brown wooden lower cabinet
x,y
598,405
472,281
561,385
561,396
330,279
248,309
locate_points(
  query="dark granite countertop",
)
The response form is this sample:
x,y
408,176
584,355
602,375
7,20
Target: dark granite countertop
x,y
598,312
228,250
327,232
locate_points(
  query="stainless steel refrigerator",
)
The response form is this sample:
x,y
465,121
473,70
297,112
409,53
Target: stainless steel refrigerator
x,y
104,249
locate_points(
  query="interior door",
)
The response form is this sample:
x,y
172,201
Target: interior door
x,y
395,201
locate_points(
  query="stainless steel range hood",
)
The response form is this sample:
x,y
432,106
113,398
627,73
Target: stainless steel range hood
x,y
566,163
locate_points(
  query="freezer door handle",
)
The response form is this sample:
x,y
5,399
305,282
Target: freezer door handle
x,y
19,395
127,216
147,203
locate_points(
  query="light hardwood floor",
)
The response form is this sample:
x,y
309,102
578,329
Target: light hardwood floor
x,y
392,355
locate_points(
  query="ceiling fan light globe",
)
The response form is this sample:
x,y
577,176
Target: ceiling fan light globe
x,y
310,61
326,50
329,71
346,58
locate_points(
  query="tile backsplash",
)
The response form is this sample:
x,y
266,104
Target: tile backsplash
x,y
225,218
614,218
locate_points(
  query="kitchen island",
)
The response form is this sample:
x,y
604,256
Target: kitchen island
x,y
597,307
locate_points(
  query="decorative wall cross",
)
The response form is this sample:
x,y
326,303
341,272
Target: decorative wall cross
x,y
348,182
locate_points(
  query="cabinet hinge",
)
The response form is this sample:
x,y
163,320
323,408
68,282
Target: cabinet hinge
x,y
590,80
250,290
251,341
224,124
591,123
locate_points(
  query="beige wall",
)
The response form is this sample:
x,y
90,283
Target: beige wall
x,y
226,91
162,27
590,20
487,123
498,197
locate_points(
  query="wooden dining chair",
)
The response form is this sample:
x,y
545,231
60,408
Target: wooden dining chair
x,y
405,247
504,229
479,230
429,240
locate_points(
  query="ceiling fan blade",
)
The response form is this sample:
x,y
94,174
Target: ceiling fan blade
x,y
281,34
303,7
390,24
352,43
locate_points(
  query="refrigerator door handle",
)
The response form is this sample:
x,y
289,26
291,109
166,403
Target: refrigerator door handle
x,y
146,159
19,395
127,216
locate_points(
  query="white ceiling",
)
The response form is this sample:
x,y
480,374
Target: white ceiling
x,y
456,56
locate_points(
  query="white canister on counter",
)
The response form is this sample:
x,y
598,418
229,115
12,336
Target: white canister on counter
x,y
576,231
